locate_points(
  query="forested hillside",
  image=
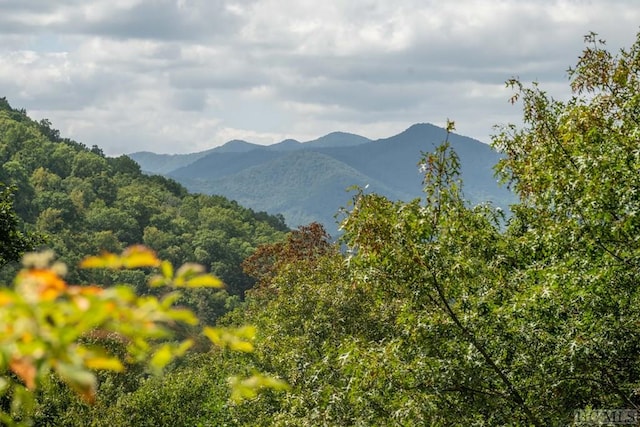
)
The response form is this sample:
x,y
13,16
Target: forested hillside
x,y
82,202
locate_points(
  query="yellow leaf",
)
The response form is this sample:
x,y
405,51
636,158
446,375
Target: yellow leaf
x,y
167,352
167,269
236,339
204,281
133,257
169,299
189,269
161,358
105,260
106,363
240,391
248,388
183,315
247,332
157,281
183,347
139,256
243,346
214,334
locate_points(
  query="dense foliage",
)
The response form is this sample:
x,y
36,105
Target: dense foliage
x,y
443,314
84,202
15,241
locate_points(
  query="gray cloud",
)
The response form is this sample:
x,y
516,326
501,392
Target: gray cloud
x,y
240,77
192,100
163,20
152,19
182,75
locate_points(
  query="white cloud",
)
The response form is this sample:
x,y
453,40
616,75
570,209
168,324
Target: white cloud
x,y
184,75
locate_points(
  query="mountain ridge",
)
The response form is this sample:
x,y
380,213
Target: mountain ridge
x,y
319,171
155,163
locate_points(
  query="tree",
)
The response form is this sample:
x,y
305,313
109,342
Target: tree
x,y
442,314
575,167
401,330
15,242
306,243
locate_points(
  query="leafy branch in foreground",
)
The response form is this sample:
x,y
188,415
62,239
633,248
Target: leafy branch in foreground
x,y
48,325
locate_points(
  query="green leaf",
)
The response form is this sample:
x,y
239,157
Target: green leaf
x,y
248,388
237,339
80,380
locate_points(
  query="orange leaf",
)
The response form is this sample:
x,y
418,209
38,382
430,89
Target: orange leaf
x,y
24,369
6,298
47,284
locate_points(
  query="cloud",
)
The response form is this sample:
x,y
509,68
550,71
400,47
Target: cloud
x,y
184,75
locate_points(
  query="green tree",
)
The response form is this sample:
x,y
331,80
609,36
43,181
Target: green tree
x,y
402,330
575,167
442,314
14,241
87,164
61,161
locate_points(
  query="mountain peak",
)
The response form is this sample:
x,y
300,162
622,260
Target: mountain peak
x,y
286,145
236,146
422,128
419,131
423,125
337,139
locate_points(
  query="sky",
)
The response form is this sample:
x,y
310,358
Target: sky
x,y
180,76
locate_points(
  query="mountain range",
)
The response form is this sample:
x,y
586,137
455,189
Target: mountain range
x,y
308,181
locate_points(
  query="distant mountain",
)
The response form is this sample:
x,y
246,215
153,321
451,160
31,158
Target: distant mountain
x,y
394,161
165,163
307,181
337,139
234,146
218,164
304,186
